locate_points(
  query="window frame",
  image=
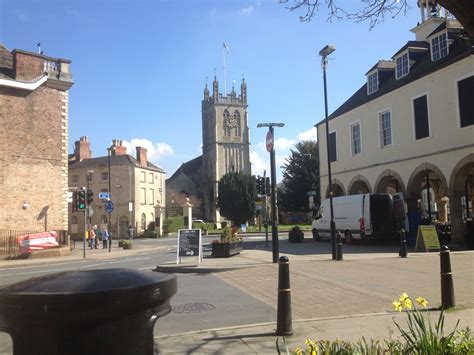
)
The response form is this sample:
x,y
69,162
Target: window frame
x,y
400,73
374,87
458,108
414,115
438,46
380,117
104,173
353,124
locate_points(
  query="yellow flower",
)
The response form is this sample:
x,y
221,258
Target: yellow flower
x,y
403,297
408,303
422,302
298,351
397,305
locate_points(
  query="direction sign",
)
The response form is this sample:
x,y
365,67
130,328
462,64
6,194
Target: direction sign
x,y
109,207
269,141
104,195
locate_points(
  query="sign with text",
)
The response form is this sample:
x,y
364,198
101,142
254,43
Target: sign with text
x,y
427,238
37,241
189,244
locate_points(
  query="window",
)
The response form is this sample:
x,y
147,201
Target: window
x,y
420,109
385,129
355,137
89,177
143,196
105,176
402,66
143,224
466,103
142,176
439,47
332,147
75,178
151,178
226,123
152,196
104,190
372,83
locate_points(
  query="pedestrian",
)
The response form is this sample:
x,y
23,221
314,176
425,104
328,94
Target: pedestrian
x,y
91,238
130,231
98,236
105,238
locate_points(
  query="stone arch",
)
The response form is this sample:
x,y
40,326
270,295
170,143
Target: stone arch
x,y
225,119
462,173
359,185
389,181
238,127
337,189
418,177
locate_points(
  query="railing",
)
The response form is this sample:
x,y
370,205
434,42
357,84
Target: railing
x,y
9,244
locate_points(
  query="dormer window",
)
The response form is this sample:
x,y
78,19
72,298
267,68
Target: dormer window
x,y
402,66
372,83
439,47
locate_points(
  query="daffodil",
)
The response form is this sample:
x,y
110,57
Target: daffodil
x,y
408,304
397,305
298,351
403,297
422,302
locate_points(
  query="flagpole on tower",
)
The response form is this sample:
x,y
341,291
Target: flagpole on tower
x,y
224,50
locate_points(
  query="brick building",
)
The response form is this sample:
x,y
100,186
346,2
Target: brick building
x,y
137,189
33,140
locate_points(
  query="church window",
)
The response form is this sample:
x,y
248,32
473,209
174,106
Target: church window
x,y
226,123
237,125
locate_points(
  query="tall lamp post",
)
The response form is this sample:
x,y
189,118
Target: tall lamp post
x,y
271,149
109,224
324,53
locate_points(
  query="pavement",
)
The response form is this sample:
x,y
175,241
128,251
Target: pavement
x,y
347,299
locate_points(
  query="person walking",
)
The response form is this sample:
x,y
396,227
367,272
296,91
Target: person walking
x,y
105,238
92,238
98,236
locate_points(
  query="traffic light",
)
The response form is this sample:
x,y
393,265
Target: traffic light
x,y
90,193
258,183
80,200
267,186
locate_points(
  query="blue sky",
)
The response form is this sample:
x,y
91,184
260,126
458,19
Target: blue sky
x,y
140,67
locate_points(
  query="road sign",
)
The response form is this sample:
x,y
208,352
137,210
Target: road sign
x,y
109,207
269,141
104,195
311,193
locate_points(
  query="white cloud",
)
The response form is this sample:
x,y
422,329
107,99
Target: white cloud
x,y
246,11
155,151
284,143
259,163
309,135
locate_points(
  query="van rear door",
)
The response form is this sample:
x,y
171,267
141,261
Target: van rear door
x,y
366,214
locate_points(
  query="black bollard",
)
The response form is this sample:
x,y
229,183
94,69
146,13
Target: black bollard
x,y
284,323
403,244
339,246
110,311
447,286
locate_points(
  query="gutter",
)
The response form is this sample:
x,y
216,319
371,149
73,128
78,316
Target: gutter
x,y
22,85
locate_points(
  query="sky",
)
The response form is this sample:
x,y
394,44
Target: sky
x,y
140,67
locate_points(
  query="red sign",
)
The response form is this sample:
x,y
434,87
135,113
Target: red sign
x,y
37,241
269,141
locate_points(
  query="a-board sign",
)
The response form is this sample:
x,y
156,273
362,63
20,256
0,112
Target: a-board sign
x,y
189,244
427,238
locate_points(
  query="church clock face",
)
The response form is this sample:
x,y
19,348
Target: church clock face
x,y
231,122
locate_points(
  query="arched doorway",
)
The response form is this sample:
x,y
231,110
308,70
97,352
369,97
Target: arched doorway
x,y
122,227
461,192
359,185
389,181
337,189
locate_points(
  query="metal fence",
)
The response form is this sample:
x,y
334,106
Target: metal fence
x,y
9,244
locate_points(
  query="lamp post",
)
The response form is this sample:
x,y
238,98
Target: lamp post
x,y
271,149
109,224
324,53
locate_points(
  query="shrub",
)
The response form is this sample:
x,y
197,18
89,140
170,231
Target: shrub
x,y
295,235
126,244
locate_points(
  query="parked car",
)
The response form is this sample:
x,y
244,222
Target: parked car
x,y
358,217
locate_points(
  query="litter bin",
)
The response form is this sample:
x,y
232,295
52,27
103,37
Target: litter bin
x,y
470,233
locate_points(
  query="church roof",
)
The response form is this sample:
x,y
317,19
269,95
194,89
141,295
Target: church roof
x,y
189,168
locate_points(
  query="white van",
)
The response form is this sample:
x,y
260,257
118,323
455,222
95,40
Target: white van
x,y
357,217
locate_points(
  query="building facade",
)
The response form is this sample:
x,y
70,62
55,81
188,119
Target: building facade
x,y
410,128
137,189
34,102
225,148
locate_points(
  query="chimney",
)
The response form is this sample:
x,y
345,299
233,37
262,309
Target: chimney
x,y
82,149
141,156
119,149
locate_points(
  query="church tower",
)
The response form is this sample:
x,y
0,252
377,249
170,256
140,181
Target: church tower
x,y
225,141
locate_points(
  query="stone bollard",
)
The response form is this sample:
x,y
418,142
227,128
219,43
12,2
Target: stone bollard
x,y
109,311
339,255
284,322
447,286
403,245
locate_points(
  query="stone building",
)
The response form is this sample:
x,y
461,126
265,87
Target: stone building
x,y
33,141
410,128
137,188
225,148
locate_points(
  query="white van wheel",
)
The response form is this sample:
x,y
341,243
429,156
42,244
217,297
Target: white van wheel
x,y
348,237
316,236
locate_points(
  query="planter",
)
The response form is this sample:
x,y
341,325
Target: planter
x,y
295,236
226,250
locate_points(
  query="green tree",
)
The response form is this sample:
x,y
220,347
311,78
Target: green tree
x,y
374,11
237,196
301,175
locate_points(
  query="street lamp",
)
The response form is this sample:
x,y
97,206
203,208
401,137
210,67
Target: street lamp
x,y
324,53
109,152
271,149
